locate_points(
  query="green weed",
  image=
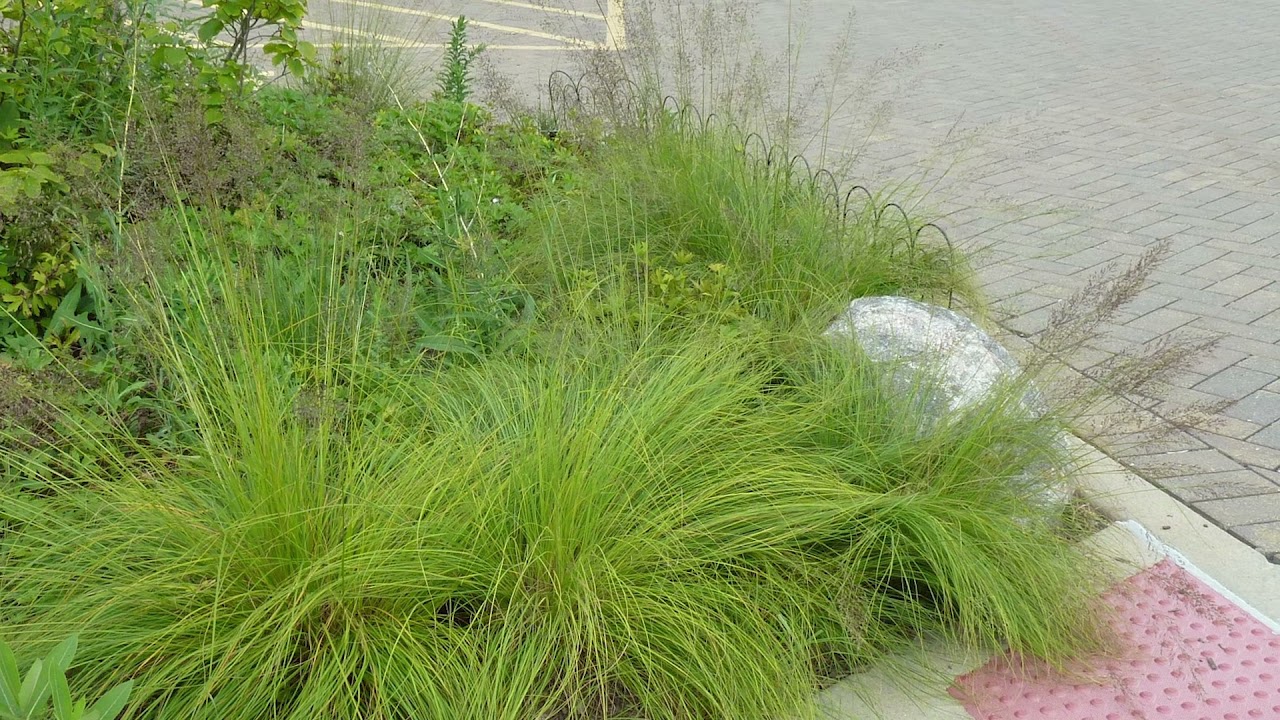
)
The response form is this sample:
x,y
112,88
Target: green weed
x,y
456,75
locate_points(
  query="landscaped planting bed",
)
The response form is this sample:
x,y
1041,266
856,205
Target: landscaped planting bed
x,y
364,409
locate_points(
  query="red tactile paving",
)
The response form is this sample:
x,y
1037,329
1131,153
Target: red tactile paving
x,y
1191,655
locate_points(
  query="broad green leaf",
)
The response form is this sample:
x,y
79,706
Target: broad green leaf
x,y
104,149
62,706
446,344
30,686
31,186
209,29
40,158
90,162
10,680
14,157
62,655
175,56
110,705
45,175
64,316
213,116
8,115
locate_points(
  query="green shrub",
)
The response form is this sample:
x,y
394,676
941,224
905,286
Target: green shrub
x,y
64,82
66,65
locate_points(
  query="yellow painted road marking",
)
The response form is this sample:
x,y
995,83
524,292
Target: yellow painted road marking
x,y
616,26
400,42
548,8
391,40
575,42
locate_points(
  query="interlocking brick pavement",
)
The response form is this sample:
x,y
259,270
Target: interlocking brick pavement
x,y
1133,122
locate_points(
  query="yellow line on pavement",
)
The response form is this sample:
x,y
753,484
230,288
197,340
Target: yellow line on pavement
x,y
576,42
390,40
548,8
615,23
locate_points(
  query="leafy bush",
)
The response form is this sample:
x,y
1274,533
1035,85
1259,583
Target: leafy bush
x,y
63,83
66,65
71,73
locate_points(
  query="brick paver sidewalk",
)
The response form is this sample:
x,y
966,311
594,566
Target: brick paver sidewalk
x,y
1142,120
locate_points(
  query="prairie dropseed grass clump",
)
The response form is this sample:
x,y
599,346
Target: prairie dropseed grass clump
x,y
621,524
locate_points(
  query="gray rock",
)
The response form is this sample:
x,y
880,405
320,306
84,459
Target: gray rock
x,y
941,362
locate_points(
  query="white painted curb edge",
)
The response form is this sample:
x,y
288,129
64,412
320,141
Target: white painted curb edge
x,y
1158,546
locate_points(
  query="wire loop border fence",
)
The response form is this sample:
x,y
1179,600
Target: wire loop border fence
x,y
569,95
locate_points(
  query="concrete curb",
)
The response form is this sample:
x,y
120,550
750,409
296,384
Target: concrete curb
x,y
1123,496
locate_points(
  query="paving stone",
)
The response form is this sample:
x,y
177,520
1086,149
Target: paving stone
x,y
1234,383
1215,228
1199,256
1261,407
1184,462
1270,437
1250,453
1234,512
1208,192
1138,442
1256,348
1231,329
1167,276
1219,486
1219,358
1264,536
1163,320
1217,270
1240,284
1270,320
1230,428
1221,208
1261,232
1164,228
1263,302
1271,366
1247,214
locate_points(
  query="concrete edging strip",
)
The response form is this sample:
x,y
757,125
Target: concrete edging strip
x,y
1228,565
1146,536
